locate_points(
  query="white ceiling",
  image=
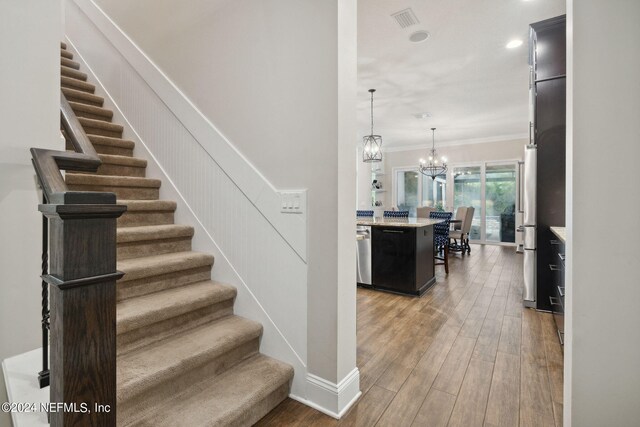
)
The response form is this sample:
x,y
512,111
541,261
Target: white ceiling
x,y
475,88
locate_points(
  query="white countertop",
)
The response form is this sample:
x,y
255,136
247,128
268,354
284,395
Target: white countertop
x,y
560,232
397,222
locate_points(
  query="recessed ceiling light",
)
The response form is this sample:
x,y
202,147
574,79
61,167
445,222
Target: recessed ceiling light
x,y
514,43
422,115
419,36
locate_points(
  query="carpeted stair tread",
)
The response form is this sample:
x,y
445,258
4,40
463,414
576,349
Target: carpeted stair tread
x,y
81,97
77,84
111,181
149,205
78,107
63,45
66,54
108,140
161,361
230,399
137,268
112,159
69,63
153,232
73,73
141,311
100,124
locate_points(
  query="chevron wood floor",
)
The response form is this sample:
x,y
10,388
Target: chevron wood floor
x,y
464,354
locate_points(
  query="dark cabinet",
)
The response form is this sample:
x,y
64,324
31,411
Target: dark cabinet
x,y
548,61
402,259
556,299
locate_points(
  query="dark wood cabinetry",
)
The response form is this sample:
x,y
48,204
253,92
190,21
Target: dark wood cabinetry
x,y
548,61
402,259
556,299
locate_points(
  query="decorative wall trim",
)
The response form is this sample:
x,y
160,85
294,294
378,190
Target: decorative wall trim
x,y
330,398
237,236
455,143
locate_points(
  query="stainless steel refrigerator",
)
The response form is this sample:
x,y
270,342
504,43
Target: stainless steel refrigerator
x,y
529,226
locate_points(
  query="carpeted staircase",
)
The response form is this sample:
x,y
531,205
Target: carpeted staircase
x,y
183,357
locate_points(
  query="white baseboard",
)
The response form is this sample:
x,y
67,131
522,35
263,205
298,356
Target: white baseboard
x,y
330,398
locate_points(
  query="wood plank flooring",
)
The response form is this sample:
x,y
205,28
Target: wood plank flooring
x,y
464,354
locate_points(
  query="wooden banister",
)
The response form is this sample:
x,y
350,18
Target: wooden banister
x,y
49,163
82,277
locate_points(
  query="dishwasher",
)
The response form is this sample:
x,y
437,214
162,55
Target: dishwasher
x,y
363,255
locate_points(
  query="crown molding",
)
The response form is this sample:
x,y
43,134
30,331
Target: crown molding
x,y
459,142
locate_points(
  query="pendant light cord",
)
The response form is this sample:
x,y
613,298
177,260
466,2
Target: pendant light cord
x,y
371,112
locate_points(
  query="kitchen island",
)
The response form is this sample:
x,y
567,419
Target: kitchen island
x,y
401,254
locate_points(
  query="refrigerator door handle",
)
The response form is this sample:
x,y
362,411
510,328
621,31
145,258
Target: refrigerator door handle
x,y
520,187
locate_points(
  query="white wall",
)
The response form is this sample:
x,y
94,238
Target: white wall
x,y
602,352
272,77
455,154
29,113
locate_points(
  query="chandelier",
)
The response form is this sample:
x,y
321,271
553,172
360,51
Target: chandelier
x,y
372,150
433,167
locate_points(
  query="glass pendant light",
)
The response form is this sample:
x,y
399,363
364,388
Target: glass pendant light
x,y
372,150
433,167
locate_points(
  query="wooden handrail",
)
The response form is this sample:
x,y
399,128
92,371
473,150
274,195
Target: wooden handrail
x,y
49,163
80,281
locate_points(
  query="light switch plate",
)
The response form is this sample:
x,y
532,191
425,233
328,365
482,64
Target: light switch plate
x,y
293,202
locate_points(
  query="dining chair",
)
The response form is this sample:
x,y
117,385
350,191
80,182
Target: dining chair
x,y
441,237
461,212
463,233
424,211
363,213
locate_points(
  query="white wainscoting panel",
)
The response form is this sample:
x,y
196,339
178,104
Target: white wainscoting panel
x,y
231,205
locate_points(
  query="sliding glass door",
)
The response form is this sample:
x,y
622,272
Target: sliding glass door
x,y
467,191
412,190
500,197
491,189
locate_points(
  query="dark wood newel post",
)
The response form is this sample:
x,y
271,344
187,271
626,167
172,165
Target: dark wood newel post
x,y
82,277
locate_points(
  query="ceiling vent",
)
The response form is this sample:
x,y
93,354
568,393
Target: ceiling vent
x,y
405,18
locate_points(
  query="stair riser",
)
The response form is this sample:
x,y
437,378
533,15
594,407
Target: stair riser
x,y
129,407
66,54
89,115
140,218
84,98
260,409
128,193
148,285
137,338
77,85
69,63
108,149
121,170
130,250
103,132
111,149
70,72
